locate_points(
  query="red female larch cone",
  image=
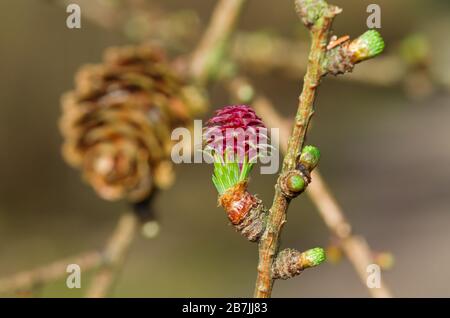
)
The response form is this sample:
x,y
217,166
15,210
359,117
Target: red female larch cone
x,y
234,137
118,120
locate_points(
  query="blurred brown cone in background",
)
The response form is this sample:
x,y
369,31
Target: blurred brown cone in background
x,y
117,122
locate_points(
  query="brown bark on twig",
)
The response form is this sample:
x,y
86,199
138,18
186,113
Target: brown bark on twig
x,y
115,253
109,262
211,47
27,280
355,247
289,57
269,243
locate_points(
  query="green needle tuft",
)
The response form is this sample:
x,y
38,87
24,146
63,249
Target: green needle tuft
x,y
314,256
367,45
227,174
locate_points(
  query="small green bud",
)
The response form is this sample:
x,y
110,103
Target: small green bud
x,y
310,157
366,46
313,257
296,183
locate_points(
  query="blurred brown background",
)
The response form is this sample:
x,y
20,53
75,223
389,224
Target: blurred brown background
x,y
385,154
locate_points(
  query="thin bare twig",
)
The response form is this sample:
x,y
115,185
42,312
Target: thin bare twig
x,y
27,280
289,56
209,52
109,262
115,253
269,243
355,247
143,21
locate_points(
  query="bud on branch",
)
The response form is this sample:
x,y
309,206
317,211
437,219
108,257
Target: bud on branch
x,y
290,262
343,55
294,182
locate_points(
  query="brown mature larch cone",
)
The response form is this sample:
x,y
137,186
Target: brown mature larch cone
x,y
117,122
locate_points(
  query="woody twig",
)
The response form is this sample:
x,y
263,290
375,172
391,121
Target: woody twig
x,y
27,280
354,246
115,254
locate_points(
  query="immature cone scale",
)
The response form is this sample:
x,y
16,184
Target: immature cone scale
x,y
235,119
117,121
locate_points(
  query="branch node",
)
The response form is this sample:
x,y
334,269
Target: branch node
x,y
294,182
311,12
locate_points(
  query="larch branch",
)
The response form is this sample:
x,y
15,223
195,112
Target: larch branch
x,y
355,247
215,39
115,253
269,243
27,280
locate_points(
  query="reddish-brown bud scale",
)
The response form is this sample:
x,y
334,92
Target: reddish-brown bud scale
x,y
244,210
237,202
